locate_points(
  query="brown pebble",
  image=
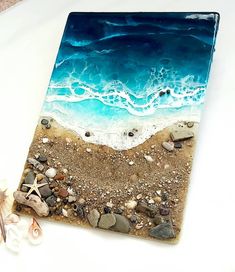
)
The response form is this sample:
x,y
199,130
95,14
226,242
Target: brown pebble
x,y
59,176
63,192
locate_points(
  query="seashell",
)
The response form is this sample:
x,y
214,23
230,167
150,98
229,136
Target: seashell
x,y
35,233
13,238
12,219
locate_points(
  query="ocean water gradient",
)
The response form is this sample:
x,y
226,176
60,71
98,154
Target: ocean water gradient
x,y
113,66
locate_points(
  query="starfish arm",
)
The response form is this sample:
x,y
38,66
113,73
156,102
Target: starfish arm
x,y
28,185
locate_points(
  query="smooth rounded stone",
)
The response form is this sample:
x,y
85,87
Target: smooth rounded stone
x,y
190,124
162,231
93,217
33,201
36,164
51,201
80,211
48,126
131,204
177,145
130,134
107,221
164,211
122,224
148,158
72,199
44,122
30,177
107,209
157,220
63,192
87,134
45,190
133,219
42,158
51,172
169,146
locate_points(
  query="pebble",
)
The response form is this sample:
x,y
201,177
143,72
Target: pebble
x,y
139,196
65,213
45,190
80,211
30,177
50,173
190,124
148,158
164,211
40,177
166,166
118,210
162,231
144,208
157,220
177,145
48,126
45,140
87,134
179,135
131,162
93,217
107,221
151,201
169,146
33,201
71,199
122,224
44,122
81,201
36,164
107,209
131,204
133,219
63,192
139,226
130,134
88,150
158,199
51,201
109,204
134,178
59,176
42,158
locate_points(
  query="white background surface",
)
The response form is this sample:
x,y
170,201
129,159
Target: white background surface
x,y
30,34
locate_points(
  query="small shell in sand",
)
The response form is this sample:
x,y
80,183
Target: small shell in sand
x,y
35,233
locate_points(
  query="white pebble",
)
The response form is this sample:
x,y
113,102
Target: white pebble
x,y
88,150
139,196
45,140
50,173
131,162
131,204
109,204
151,201
65,213
148,158
71,199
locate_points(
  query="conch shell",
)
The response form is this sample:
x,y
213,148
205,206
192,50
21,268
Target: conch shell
x,y
35,233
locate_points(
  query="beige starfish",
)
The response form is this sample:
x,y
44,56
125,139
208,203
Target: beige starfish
x,y
34,187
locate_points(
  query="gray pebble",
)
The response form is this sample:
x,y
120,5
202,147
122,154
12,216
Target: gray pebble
x,y
45,190
36,164
122,224
162,231
107,221
51,201
42,158
44,122
179,135
30,177
93,217
169,146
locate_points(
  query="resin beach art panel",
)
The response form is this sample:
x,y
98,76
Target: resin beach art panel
x,y
114,144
